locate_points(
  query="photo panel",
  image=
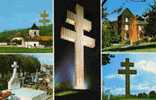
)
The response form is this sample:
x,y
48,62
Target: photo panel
x,y
26,26
26,76
77,49
129,76
128,26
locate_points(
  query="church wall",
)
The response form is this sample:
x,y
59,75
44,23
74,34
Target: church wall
x,y
33,33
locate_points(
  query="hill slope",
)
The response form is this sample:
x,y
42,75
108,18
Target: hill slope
x,y
6,36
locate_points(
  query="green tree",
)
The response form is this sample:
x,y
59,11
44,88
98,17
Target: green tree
x,y
150,28
106,58
152,94
106,34
44,18
110,34
26,64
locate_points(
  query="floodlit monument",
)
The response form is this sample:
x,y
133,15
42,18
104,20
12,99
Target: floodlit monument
x,y
80,40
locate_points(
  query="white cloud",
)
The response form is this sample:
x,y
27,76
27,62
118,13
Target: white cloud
x,y
114,76
116,91
140,87
147,66
144,87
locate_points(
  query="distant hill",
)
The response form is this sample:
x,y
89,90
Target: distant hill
x,y
6,36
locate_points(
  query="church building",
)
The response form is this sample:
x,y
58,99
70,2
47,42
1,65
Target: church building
x,y
34,31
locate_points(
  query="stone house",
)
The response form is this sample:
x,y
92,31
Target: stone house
x,y
129,26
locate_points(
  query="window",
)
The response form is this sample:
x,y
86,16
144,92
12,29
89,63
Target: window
x,y
35,33
126,19
126,27
140,28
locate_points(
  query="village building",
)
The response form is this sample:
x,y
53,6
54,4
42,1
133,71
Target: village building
x,y
33,39
3,43
34,31
32,44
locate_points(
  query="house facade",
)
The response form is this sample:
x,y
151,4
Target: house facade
x,y
130,27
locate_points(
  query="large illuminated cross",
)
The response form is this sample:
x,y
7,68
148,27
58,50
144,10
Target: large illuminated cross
x,y
80,40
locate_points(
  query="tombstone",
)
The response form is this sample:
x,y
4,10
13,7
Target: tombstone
x,y
80,41
127,72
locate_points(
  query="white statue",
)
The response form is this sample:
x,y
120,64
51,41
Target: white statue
x,y
14,66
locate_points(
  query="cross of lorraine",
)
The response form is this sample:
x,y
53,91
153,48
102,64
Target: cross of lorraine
x,y
77,36
127,72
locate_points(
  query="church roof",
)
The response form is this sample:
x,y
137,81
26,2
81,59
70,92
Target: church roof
x,y
126,12
35,27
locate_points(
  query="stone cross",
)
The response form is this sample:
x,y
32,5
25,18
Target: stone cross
x,y
127,64
14,66
80,40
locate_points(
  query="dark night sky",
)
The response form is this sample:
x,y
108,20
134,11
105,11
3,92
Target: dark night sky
x,y
64,50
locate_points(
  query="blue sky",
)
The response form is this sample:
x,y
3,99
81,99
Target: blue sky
x,y
138,8
22,13
143,81
44,58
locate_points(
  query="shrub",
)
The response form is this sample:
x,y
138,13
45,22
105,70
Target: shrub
x,y
142,95
152,94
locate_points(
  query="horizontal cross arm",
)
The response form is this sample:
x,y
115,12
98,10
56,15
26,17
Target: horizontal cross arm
x,y
129,64
73,19
123,71
71,16
88,41
68,34
133,72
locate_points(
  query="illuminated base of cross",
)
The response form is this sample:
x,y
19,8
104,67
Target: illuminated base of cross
x,y
80,86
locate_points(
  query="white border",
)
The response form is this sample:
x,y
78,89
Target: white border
x,y
53,27
101,49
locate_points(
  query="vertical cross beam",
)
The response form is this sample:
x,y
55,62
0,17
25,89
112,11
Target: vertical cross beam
x,y
79,50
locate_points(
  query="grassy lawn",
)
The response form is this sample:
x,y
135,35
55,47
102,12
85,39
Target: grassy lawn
x,y
144,47
143,50
24,50
133,99
130,98
65,93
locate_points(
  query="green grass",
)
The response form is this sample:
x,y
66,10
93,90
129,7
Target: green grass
x,y
126,98
143,50
65,93
24,50
133,99
144,47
